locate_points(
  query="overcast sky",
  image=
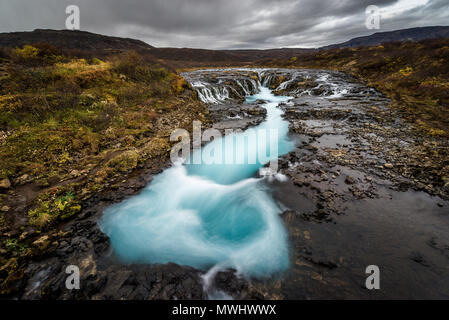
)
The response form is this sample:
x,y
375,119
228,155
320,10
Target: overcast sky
x,y
225,24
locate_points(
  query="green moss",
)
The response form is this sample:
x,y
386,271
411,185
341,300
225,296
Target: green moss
x,y
406,71
126,161
11,244
52,206
25,53
70,119
10,272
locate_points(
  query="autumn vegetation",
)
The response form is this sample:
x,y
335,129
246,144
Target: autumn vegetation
x,y
73,126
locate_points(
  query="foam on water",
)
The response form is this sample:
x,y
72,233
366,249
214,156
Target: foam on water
x,y
207,215
238,144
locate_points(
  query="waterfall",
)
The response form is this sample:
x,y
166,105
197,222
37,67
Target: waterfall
x,y
232,87
220,92
211,216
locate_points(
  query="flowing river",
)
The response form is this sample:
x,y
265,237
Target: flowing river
x,y
353,189
345,194
218,215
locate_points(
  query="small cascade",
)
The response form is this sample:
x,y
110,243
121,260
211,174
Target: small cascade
x,y
285,85
226,88
267,78
211,216
234,85
221,215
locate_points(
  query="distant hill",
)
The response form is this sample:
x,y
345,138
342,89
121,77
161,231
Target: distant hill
x,y
92,43
412,34
224,56
66,39
281,53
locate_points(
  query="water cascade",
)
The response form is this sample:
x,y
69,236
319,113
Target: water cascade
x,y
207,216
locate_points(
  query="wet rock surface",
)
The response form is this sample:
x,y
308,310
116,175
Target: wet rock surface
x,y
224,90
223,85
363,189
81,243
236,117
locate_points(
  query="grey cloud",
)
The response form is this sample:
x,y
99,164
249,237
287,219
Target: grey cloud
x,y
219,23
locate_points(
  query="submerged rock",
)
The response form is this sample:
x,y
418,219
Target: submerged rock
x,y
349,180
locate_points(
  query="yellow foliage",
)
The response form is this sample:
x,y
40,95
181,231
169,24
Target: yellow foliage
x,y
27,52
9,102
180,84
435,82
52,207
406,71
430,130
124,162
80,66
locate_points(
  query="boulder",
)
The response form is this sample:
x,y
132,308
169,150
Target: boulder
x,y
5,184
349,180
42,243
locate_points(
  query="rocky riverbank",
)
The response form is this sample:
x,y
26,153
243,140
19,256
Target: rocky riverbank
x,y
92,135
364,188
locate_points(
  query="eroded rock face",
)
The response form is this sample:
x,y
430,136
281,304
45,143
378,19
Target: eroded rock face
x,y
236,116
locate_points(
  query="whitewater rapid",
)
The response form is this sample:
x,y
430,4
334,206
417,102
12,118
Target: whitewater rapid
x,y
208,216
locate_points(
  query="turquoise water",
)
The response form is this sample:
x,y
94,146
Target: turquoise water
x,y
209,215
254,155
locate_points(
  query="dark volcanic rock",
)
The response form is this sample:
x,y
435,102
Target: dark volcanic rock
x,y
242,116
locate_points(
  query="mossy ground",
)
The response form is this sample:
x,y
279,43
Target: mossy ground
x,y
71,127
